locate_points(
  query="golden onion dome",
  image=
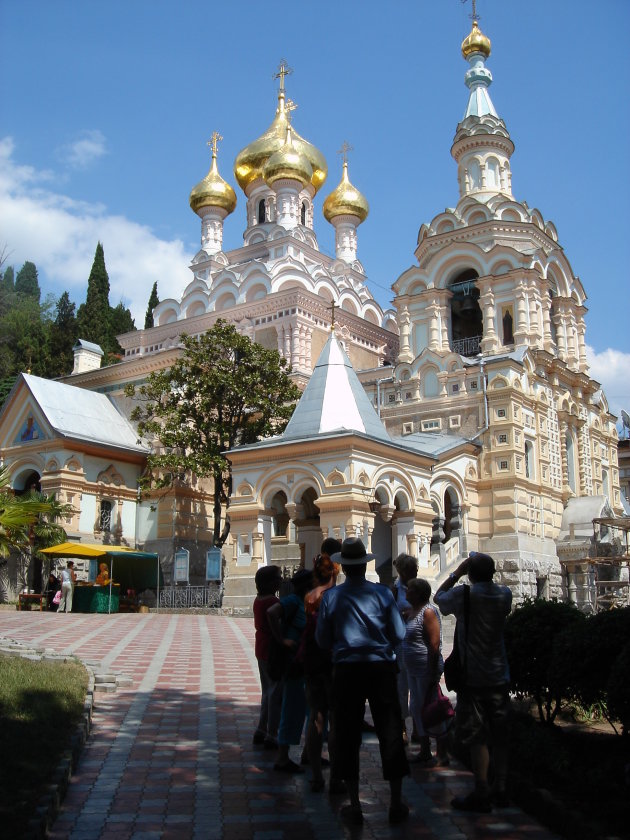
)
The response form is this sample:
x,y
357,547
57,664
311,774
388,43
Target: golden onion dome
x,y
213,191
250,161
346,200
287,162
476,42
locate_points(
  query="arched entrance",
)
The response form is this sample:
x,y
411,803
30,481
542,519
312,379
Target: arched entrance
x,y
466,318
308,529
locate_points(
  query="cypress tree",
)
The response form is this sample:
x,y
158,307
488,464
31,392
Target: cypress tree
x,y
7,290
26,282
93,317
63,335
153,302
120,322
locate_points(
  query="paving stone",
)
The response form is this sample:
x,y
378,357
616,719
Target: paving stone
x,y
170,756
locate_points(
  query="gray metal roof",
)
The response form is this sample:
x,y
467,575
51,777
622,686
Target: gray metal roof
x,y
88,345
83,415
430,443
334,400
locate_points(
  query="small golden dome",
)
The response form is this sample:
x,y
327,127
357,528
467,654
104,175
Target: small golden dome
x,y
213,191
476,42
287,162
250,161
346,200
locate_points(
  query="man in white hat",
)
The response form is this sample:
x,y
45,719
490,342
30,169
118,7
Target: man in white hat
x,y
360,623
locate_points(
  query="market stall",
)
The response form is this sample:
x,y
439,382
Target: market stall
x,y
129,571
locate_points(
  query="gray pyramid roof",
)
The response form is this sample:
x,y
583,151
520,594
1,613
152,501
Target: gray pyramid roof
x,y
334,400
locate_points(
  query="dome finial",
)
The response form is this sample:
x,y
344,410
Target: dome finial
x,y
283,70
345,199
476,42
213,142
213,191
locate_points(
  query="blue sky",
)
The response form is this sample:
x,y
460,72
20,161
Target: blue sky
x,y
107,107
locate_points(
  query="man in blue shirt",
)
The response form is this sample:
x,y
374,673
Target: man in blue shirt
x,y
360,623
483,706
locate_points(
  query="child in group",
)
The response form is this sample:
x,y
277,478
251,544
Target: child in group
x,y
267,580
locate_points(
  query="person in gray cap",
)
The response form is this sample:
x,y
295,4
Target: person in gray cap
x,y
360,623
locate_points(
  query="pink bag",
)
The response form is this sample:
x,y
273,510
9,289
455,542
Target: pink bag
x,y
57,597
437,711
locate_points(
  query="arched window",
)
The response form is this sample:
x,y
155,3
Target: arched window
x,y
529,459
571,462
492,174
105,515
303,214
261,212
466,318
474,175
508,323
605,483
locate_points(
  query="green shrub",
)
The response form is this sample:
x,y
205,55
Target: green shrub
x,y
619,689
583,657
529,634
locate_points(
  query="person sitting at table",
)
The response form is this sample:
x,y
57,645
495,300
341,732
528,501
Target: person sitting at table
x,y
102,579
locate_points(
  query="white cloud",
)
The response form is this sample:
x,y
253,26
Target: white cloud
x,y
87,148
59,234
612,368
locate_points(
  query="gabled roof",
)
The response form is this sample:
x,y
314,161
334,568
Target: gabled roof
x,y
82,415
334,401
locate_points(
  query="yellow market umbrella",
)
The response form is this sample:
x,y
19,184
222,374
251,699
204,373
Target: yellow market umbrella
x,y
83,550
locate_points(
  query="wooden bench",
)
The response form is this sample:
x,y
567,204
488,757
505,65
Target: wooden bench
x,y
25,599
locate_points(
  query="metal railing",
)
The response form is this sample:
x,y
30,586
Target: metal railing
x,y
467,346
188,597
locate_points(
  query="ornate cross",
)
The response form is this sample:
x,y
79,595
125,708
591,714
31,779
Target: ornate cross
x,y
213,142
283,70
289,107
474,10
332,317
343,151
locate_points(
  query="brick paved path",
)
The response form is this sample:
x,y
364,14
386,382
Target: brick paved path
x,y
170,753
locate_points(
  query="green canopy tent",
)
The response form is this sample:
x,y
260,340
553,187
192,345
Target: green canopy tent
x,y
135,570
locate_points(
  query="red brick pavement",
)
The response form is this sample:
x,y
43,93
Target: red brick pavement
x,y
170,754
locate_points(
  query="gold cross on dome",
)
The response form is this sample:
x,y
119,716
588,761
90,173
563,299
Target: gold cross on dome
x,y
283,70
343,151
213,142
474,16
332,317
289,108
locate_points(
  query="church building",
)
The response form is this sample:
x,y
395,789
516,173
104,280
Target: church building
x,y
463,418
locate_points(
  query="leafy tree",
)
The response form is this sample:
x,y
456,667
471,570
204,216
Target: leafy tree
x,y
225,390
63,336
24,334
26,282
93,317
153,302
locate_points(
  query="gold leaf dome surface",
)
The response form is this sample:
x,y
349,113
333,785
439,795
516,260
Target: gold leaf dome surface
x,y
476,42
346,200
250,161
213,191
287,162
